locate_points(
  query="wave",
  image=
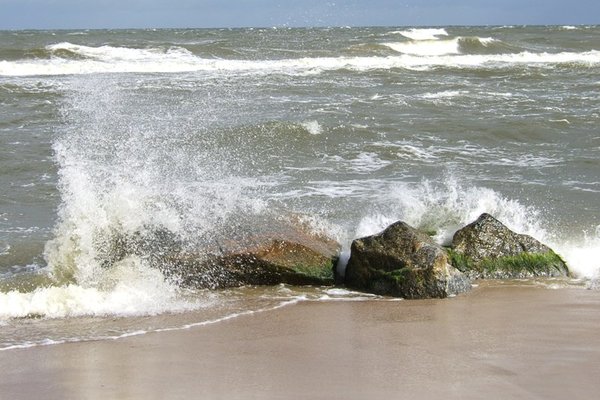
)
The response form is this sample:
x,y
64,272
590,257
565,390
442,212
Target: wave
x,y
130,289
443,208
108,53
422,33
426,47
444,54
130,195
459,45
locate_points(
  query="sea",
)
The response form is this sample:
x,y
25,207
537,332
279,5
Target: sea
x,y
205,133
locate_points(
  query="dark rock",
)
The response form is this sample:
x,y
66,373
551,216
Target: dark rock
x,y
404,262
486,248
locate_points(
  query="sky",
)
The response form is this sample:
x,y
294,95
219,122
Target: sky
x,y
91,14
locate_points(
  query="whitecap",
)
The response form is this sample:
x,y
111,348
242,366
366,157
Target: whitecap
x,y
367,162
445,94
426,47
426,56
423,33
445,207
313,127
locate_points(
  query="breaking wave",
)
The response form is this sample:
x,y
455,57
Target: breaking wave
x,y
443,208
453,53
130,193
423,33
456,46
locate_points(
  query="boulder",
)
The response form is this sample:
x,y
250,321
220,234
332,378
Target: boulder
x,y
403,262
287,253
486,248
272,262
269,251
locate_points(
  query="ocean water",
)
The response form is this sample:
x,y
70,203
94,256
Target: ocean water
x,y
199,132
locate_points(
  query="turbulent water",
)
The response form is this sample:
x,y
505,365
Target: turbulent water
x,y
192,131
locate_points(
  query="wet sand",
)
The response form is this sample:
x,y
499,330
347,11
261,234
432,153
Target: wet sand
x,y
497,342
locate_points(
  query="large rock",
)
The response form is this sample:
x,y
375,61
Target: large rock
x,y
267,252
486,248
280,252
403,262
271,261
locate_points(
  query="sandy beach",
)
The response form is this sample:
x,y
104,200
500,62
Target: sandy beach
x,y
501,342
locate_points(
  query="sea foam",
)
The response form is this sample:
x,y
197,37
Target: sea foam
x,y
418,55
128,193
426,47
445,207
313,127
423,33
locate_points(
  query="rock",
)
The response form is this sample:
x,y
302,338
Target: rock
x,y
486,248
286,254
404,262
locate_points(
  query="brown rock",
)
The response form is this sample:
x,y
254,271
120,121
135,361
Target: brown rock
x,y
286,253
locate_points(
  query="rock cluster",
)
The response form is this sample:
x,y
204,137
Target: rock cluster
x,y
401,261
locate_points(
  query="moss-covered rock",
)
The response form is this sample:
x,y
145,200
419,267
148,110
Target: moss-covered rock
x,y
486,248
404,262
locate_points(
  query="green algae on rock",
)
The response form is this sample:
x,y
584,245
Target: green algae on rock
x,y
486,248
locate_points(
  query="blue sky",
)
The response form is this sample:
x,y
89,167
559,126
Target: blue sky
x,y
44,14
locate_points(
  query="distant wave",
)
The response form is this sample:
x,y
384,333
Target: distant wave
x,y
445,53
423,33
459,45
119,53
426,47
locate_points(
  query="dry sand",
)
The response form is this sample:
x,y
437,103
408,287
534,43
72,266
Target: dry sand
x,y
495,343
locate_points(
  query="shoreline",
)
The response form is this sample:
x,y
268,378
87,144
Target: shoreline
x,y
504,341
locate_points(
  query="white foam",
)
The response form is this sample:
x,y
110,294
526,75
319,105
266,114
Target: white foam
x,y
426,47
367,162
525,160
110,53
313,127
445,94
582,256
446,207
419,56
126,290
487,41
119,184
423,33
